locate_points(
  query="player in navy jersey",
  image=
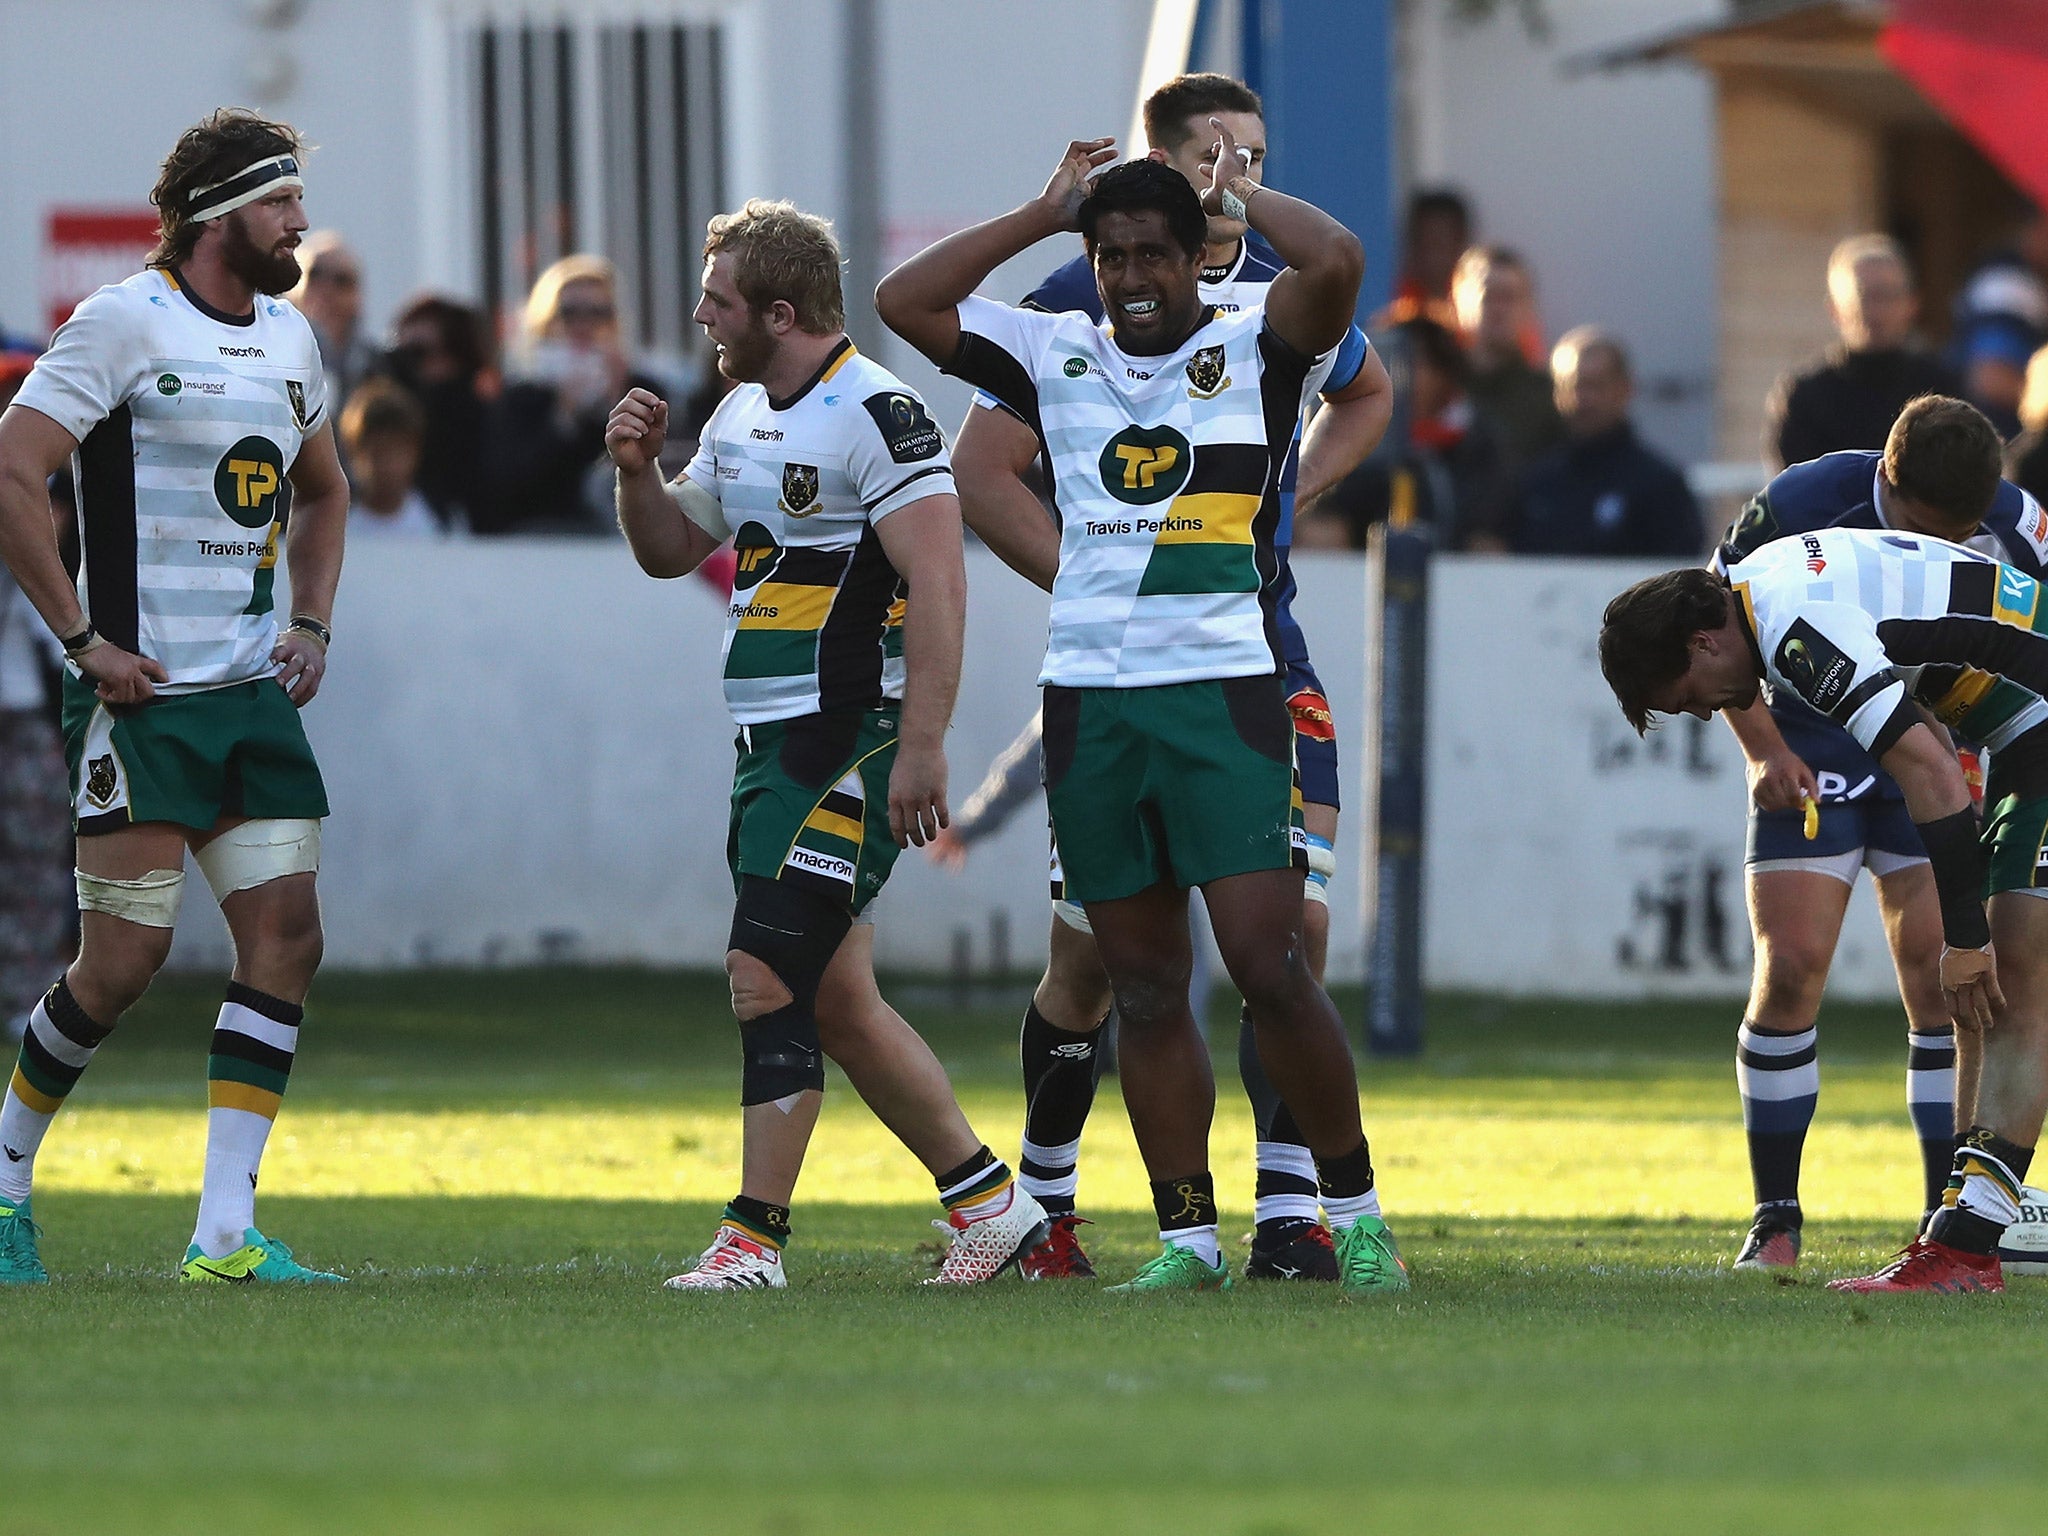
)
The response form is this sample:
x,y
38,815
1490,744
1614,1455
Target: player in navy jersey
x,y
1938,474
993,458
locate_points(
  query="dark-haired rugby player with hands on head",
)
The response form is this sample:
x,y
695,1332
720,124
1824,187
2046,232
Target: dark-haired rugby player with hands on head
x,y
1059,1043
1168,744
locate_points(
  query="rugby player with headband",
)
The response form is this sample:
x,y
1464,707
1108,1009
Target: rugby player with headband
x,y
191,404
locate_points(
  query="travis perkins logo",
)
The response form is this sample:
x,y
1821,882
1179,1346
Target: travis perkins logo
x,y
1815,561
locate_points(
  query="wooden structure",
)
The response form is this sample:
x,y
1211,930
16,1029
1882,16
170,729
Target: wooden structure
x,y
1819,138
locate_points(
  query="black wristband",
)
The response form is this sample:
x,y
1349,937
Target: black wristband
x,y
73,644
311,626
1960,869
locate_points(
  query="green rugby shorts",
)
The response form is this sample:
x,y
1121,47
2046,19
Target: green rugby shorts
x,y
189,758
1183,783
810,803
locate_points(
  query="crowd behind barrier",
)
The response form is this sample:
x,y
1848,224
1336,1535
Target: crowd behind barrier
x,y
1500,443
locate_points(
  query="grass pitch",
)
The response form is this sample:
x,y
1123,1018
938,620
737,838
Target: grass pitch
x,y
508,1164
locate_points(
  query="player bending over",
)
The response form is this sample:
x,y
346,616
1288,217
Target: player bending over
x,y
186,398
995,451
834,487
1168,743
1882,633
1939,475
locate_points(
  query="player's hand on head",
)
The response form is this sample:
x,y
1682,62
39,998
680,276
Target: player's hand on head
x,y
637,430
917,797
1070,181
1969,986
1782,781
121,677
301,665
1230,163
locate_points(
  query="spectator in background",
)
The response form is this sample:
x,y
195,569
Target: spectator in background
x,y
1602,492
2001,320
1495,301
383,430
2026,456
1851,397
38,902
442,353
330,296
1441,465
1434,235
546,441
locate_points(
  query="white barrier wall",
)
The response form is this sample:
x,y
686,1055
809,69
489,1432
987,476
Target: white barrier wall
x,y
1563,855
528,757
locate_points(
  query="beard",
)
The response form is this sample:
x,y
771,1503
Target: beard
x,y
272,272
747,356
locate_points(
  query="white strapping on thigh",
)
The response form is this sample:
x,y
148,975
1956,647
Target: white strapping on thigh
x,y
258,852
151,901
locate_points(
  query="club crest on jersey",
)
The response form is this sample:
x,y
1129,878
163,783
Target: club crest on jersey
x,y
1143,465
1206,378
296,393
101,781
799,489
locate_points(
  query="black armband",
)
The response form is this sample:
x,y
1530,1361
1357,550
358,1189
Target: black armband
x,y
1961,868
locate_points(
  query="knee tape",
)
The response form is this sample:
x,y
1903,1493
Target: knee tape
x,y
1322,863
794,933
258,852
151,901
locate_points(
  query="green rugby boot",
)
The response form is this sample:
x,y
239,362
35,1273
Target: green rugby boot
x,y
260,1261
1367,1260
1176,1269
19,1263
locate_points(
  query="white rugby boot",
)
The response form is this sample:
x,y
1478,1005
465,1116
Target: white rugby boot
x,y
985,1248
733,1262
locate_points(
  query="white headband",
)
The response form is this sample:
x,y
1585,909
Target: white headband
x,y
245,186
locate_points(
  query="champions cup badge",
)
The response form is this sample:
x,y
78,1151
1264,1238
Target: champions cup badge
x,y
799,489
100,780
1206,378
297,393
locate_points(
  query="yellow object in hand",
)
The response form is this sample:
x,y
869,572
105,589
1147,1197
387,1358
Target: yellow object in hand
x,y
1811,811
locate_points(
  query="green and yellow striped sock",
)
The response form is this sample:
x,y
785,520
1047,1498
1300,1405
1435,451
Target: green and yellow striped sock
x,y
977,1188
758,1221
254,1042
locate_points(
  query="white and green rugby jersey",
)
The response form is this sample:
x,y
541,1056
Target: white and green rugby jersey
x,y
1167,475
1861,623
816,619
187,422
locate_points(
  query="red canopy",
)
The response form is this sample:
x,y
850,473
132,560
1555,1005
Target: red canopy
x,y
1984,63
